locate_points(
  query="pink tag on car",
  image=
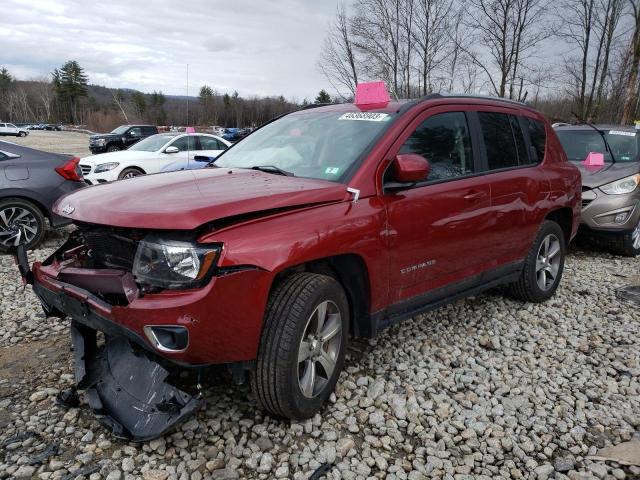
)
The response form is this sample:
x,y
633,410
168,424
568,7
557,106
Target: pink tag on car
x,y
190,130
594,159
371,93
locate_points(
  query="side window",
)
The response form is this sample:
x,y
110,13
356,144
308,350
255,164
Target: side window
x,y
184,143
135,132
148,131
538,135
208,143
498,140
444,141
221,146
518,136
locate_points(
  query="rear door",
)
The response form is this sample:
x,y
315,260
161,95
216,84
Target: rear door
x,y
3,128
209,146
518,183
438,229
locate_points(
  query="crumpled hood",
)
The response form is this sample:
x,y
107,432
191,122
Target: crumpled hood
x,y
187,199
593,177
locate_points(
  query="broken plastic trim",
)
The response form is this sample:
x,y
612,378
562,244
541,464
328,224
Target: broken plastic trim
x,y
126,389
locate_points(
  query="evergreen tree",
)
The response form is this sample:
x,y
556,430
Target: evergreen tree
x,y
323,97
70,84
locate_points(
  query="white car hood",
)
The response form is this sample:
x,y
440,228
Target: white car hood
x,y
122,156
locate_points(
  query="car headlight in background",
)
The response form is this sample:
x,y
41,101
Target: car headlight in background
x,y
173,264
105,167
622,186
101,141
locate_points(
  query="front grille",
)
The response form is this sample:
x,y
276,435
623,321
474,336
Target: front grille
x,y
86,169
110,250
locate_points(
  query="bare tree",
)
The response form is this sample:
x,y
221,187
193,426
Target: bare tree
x,y
510,31
631,83
119,100
338,58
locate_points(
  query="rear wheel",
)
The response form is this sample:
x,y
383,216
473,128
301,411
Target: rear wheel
x,y
627,244
113,148
302,347
130,173
21,222
543,266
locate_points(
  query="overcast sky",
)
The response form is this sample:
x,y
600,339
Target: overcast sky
x,y
254,47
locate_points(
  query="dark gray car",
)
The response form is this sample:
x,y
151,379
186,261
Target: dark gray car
x,y
610,193
30,182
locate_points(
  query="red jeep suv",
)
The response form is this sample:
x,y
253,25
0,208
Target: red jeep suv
x,y
324,224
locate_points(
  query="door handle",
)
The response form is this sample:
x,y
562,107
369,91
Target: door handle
x,y
474,195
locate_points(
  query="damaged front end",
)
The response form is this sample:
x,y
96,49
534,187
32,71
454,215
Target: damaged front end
x,y
125,388
123,380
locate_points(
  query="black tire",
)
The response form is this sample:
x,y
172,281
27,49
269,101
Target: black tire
x,y
22,134
113,148
624,244
130,173
527,288
36,213
276,380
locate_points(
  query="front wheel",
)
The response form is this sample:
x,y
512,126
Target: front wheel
x,y
303,345
22,134
113,148
628,244
543,266
130,173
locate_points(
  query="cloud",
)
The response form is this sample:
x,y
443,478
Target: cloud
x,y
256,48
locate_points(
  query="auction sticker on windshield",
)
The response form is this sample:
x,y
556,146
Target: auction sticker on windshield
x,y
622,132
366,116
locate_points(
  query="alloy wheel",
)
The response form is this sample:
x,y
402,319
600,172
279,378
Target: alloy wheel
x,y
319,348
17,225
131,174
635,237
548,262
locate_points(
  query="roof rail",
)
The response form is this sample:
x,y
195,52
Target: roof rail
x,y
316,105
433,96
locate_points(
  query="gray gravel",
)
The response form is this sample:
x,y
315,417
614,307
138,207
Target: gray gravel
x,y
485,388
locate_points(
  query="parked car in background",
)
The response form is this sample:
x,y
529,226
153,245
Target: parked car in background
x,y
30,182
52,127
161,152
326,223
120,138
219,131
11,129
611,192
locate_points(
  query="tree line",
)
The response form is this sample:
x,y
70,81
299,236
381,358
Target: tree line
x,y
65,96
577,60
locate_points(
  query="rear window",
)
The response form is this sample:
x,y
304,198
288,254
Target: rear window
x,y
579,143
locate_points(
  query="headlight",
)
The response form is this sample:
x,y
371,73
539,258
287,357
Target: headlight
x,y
622,186
173,264
105,167
101,141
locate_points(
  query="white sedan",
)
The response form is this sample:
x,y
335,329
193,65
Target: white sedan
x,y
154,154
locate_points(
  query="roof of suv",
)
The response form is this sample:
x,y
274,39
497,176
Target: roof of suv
x,y
397,106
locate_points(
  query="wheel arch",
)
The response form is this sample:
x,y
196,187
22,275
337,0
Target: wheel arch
x,y
563,217
46,213
351,272
133,167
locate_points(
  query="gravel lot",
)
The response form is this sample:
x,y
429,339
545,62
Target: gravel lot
x,y
73,143
484,388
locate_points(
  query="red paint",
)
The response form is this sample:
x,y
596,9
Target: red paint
x,y
410,167
464,227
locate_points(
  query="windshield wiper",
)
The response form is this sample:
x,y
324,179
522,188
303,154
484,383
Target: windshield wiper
x,y
606,143
272,169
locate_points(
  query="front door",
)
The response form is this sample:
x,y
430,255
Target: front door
x,y
438,229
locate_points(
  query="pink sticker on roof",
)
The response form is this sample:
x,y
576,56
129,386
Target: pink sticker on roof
x,y
190,130
371,93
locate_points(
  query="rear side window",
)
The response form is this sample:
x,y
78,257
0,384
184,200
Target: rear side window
x,y
498,140
444,141
538,136
149,130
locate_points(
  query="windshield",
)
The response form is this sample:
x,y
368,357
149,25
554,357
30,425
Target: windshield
x,y
151,144
312,144
578,143
120,130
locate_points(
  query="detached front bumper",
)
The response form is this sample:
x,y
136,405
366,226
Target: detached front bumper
x,y
126,389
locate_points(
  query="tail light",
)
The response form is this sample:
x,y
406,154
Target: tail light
x,y
70,170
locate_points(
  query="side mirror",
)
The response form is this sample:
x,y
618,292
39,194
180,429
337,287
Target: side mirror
x,y
171,150
410,168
